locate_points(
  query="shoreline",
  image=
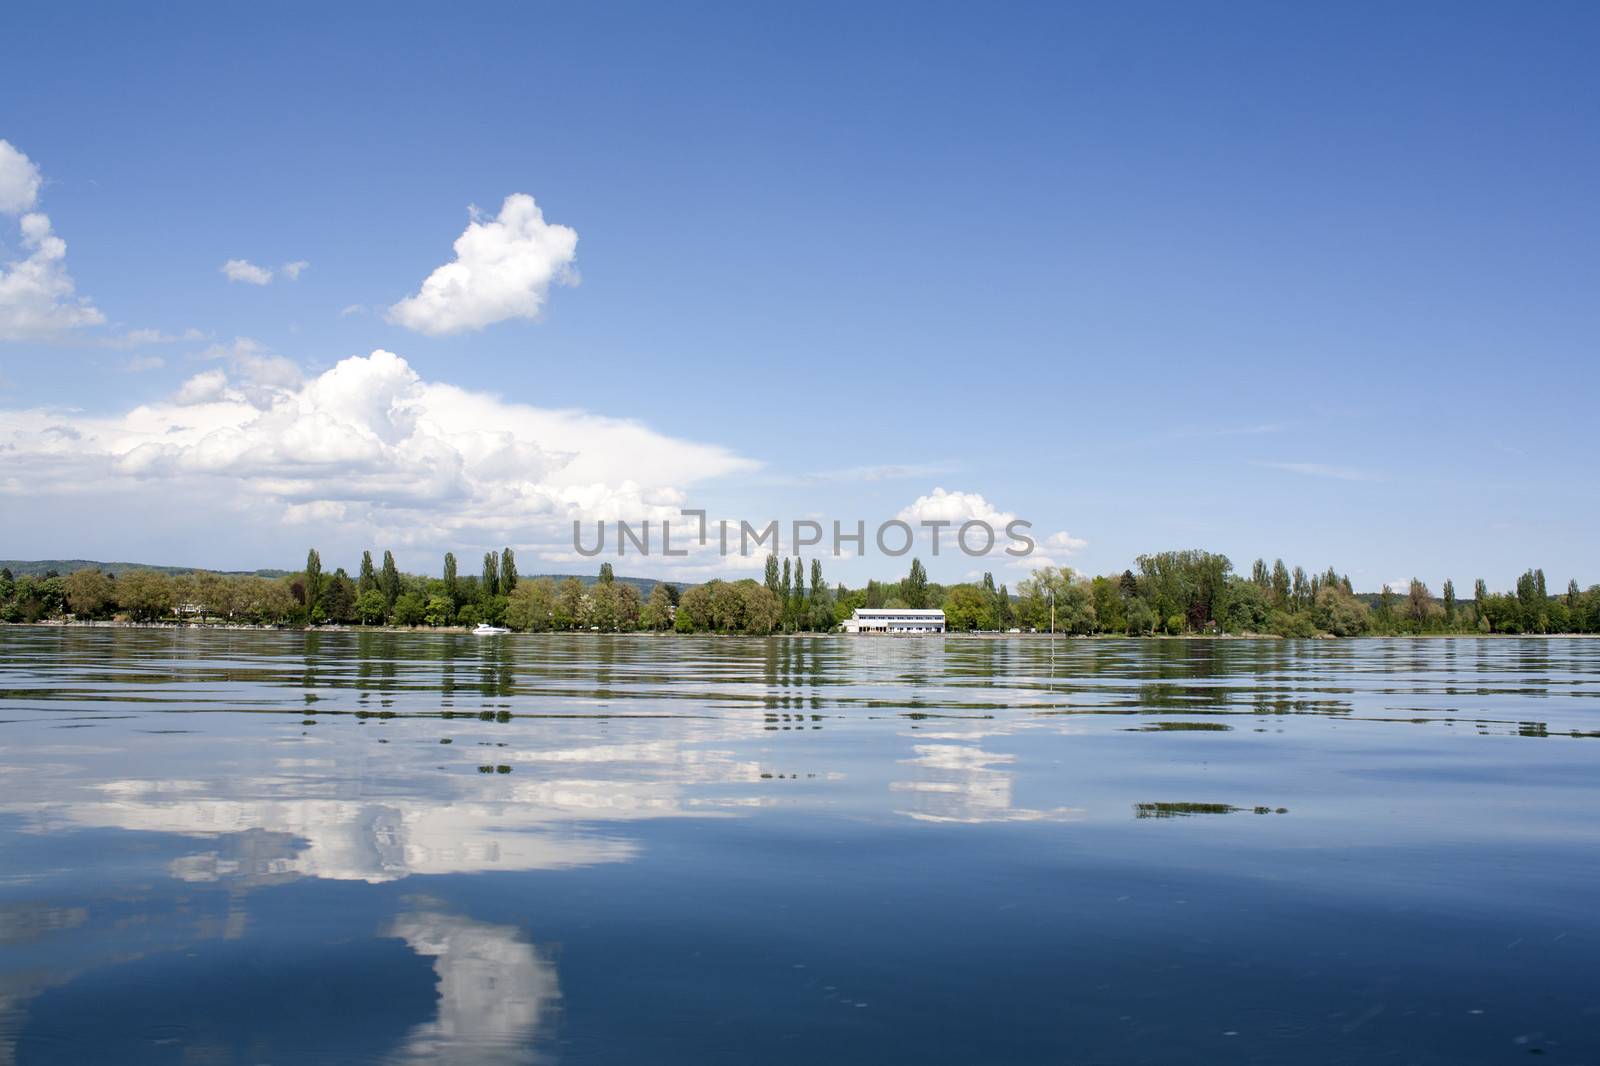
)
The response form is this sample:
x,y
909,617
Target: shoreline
x,y
227,627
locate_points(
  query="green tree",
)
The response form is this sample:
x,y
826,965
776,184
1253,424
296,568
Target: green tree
x,y
491,574
914,589
370,607
508,571
657,611
451,581
438,611
531,605
966,608
571,610
1449,602
89,592
146,595
770,575
336,597
313,577
389,582
409,610
607,575
367,578
1280,585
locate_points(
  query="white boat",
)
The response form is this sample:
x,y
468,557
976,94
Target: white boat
x,y
486,630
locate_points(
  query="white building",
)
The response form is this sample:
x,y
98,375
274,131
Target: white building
x,y
894,620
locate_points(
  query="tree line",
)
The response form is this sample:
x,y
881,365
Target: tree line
x,y
1176,592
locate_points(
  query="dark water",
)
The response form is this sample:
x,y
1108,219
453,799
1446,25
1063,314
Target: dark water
x,y
288,848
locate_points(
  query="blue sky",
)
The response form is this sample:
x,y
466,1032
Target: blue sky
x,y
1259,279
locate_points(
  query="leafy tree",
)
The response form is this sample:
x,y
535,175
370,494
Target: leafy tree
x,y
491,574
607,575
571,609
313,577
1140,619
389,581
438,611
508,571
657,611
409,610
367,579
1449,602
370,608
914,589
967,608
337,597
770,575
89,592
531,605
146,595
451,581
1280,585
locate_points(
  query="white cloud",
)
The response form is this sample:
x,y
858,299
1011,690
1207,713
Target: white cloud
x,y
504,268
140,363
955,507
246,271
19,180
1063,542
292,270
38,300
367,448
140,338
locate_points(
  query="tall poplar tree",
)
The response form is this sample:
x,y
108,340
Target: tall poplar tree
x,y
450,587
313,579
508,571
491,574
369,577
390,580
914,589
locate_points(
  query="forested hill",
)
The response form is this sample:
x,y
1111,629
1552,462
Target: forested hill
x,y
41,567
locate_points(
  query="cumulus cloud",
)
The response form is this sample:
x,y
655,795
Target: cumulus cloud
x,y
956,508
503,269
19,180
38,300
368,446
247,272
292,270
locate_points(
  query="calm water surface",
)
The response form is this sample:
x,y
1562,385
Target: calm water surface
x,y
342,847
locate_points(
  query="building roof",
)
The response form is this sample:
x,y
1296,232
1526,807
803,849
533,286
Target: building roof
x,y
899,612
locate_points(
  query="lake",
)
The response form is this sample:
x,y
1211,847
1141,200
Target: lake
x,y
259,847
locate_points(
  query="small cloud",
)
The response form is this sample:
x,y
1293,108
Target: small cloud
x,y
206,387
140,363
503,269
143,338
292,270
240,346
353,309
1339,473
1064,542
246,271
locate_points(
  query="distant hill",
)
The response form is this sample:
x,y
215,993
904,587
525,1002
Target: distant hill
x,y
41,567
643,584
